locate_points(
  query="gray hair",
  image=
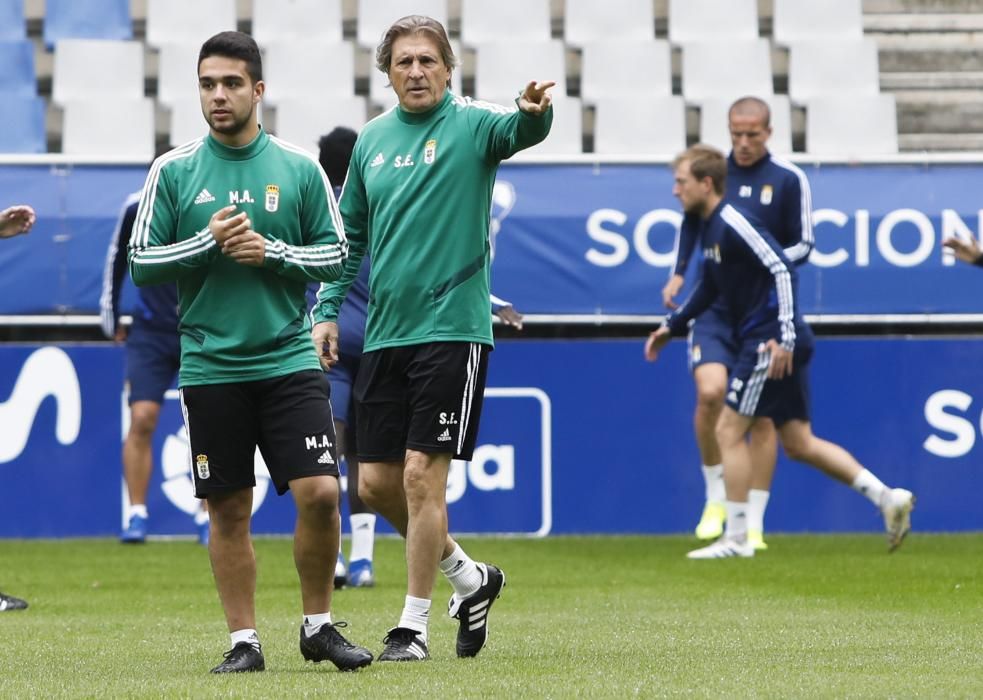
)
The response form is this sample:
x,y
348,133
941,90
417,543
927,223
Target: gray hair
x,y
414,24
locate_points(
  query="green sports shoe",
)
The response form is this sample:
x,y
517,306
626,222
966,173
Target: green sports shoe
x,y
756,538
712,521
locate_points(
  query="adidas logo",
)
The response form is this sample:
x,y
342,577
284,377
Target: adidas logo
x,y
444,436
732,396
378,160
204,197
326,458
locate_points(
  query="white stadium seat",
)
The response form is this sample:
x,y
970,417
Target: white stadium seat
x,y
622,68
504,68
111,127
286,20
709,20
585,21
504,20
302,67
726,70
834,67
191,21
808,20
177,73
852,126
96,68
188,122
643,125
376,16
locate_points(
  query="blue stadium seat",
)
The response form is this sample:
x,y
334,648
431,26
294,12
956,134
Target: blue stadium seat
x,y
23,125
87,19
12,22
17,69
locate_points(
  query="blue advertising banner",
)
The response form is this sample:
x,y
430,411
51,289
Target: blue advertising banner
x,y
576,437
600,239
576,239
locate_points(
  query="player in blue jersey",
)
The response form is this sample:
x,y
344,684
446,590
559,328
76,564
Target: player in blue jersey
x,y
14,221
747,268
775,192
335,152
153,354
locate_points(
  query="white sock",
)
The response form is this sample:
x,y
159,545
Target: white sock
x,y
201,517
757,503
736,528
870,486
713,478
137,509
363,535
461,572
246,635
312,623
416,615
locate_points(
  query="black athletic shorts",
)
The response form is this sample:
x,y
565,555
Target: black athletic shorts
x,y
423,397
288,417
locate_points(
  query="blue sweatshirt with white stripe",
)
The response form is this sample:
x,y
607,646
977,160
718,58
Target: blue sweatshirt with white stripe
x,y
774,192
747,269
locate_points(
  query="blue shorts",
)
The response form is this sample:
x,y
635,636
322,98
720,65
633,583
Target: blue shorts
x,y
342,378
153,357
752,394
711,340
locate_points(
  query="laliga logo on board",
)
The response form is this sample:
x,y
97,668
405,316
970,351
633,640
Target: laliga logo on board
x,y
175,461
47,372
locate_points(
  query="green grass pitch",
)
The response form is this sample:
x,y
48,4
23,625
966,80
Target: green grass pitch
x,y
592,617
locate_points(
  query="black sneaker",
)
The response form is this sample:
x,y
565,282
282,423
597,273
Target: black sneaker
x,y
242,658
472,612
404,644
8,602
327,643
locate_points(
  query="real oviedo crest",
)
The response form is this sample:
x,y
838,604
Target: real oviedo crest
x,y
272,198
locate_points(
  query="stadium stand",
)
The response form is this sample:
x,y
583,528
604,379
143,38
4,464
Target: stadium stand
x,y
504,20
125,131
23,125
192,21
375,16
852,126
287,20
302,67
302,121
726,69
176,73
13,22
610,69
712,20
795,21
927,57
119,65
87,19
643,124
498,63
624,20
832,67
17,68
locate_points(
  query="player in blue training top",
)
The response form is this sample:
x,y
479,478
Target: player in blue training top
x,y
747,268
776,193
334,154
153,354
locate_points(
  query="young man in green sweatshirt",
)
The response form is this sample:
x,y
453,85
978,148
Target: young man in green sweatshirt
x,y
417,198
243,222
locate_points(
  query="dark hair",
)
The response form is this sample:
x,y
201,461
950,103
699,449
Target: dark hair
x,y
335,152
705,161
751,107
414,24
235,45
